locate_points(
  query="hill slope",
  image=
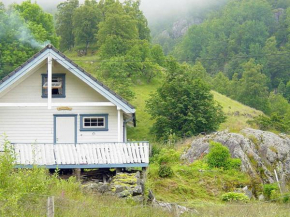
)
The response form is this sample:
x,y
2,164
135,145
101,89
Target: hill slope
x,y
237,113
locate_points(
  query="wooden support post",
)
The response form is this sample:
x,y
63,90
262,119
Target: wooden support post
x,y
50,206
77,174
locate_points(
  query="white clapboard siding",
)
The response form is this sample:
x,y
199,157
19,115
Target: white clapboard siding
x,y
81,154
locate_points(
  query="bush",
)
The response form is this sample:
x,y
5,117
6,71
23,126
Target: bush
x,y
165,171
234,163
269,190
233,196
218,155
165,156
286,198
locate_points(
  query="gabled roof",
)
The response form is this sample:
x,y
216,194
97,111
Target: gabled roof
x,y
73,68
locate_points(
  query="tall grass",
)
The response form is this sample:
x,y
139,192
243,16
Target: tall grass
x,y
24,192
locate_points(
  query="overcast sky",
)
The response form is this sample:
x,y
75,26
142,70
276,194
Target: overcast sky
x,y
153,9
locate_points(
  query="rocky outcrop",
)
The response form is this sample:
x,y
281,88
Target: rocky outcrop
x,y
260,152
179,28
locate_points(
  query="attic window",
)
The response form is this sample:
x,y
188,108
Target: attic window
x,y
58,85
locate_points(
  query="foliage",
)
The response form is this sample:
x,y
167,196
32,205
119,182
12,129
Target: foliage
x,y
219,157
193,183
183,106
274,122
64,23
117,77
234,197
85,23
253,88
165,171
24,192
268,190
165,156
24,29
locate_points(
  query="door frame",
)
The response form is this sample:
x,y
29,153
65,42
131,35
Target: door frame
x,y
54,125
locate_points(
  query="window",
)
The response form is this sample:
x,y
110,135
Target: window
x,y
58,85
94,122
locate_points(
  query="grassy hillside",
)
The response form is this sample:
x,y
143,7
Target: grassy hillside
x,y
237,113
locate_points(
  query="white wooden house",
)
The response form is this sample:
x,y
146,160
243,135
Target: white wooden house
x,y
57,115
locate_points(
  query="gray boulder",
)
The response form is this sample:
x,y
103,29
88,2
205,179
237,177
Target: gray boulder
x,y
259,151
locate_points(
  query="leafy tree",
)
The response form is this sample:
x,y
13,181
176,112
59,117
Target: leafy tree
x,y
275,65
114,72
117,32
221,83
40,23
64,23
253,89
183,106
287,91
85,23
278,104
132,8
281,88
22,35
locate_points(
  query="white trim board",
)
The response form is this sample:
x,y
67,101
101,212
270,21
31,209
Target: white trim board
x,y
82,104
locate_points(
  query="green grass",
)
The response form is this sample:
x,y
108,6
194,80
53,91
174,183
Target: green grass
x,y
237,114
191,185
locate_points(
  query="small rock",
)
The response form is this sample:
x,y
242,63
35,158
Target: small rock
x,y
248,192
137,190
119,188
261,197
103,188
138,175
138,199
125,193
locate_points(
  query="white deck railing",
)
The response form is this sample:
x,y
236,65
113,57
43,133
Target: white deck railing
x,y
82,154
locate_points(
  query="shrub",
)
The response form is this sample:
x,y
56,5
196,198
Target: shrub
x,y
234,163
218,155
166,156
233,196
165,171
269,189
286,198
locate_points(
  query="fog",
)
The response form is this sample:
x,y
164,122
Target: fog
x,y
153,9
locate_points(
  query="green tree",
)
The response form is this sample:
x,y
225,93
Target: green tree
x,y
85,23
133,9
39,22
117,32
64,23
221,84
183,106
115,73
253,90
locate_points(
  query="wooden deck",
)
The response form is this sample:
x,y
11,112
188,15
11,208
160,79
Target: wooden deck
x,y
100,155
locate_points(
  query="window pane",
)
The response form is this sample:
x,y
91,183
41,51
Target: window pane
x,y
94,120
87,124
87,120
94,124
